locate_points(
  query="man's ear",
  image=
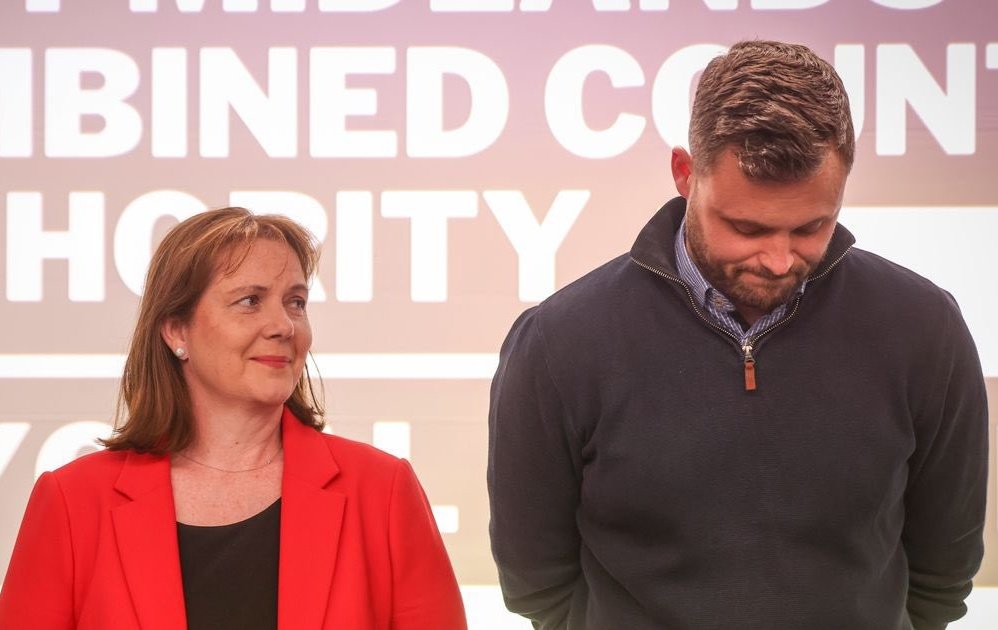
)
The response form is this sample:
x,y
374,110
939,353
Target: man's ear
x,y
174,334
682,171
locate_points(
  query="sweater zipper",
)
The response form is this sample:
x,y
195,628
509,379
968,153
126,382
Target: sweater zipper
x,y
749,366
748,359
750,343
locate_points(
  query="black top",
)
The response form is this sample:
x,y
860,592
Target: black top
x,y
230,572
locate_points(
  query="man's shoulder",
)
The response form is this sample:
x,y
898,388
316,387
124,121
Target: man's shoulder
x,y
888,279
883,292
596,290
596,311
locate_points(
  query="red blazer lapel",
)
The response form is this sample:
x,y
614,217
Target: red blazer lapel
x,y
311,521
146,532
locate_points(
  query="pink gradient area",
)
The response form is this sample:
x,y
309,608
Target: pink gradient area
x,y
482,263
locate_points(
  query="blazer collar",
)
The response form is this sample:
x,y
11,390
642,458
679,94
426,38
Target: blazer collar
x,y
311,522
311,518
145,529
306,456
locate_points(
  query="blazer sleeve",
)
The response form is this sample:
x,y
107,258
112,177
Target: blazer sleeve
x,y
425,594
947,482
38,588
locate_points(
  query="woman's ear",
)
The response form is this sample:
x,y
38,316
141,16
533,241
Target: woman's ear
x,y
174,334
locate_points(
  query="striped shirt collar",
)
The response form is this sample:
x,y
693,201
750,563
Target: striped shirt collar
x,y
714,303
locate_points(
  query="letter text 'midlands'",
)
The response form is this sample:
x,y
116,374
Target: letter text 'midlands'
x,y
462,6
229,6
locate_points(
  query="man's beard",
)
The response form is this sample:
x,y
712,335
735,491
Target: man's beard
x,y
773,290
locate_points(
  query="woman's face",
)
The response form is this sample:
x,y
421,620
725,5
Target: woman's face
x,y
248,336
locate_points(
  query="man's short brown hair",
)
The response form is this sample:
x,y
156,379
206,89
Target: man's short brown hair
x,y
778,106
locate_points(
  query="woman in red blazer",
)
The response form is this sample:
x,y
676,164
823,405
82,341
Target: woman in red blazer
x,y
219,503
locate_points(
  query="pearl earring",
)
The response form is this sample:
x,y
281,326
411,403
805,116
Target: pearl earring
x,y
181,353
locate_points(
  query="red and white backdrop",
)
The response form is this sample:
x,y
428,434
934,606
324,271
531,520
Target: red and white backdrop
x,y
459,159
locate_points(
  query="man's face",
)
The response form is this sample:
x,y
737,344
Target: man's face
x,y
757,242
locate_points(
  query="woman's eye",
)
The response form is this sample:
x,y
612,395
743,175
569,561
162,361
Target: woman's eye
x,y
249,300
298,303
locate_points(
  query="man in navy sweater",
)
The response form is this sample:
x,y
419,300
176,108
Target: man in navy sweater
x,y
745,422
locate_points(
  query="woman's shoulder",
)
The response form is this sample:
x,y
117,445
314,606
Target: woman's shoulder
x,y
364,464
93,466
345,449
350,462
88,480
106,470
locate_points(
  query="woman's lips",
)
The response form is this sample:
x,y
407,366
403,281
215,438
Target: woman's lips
x,y
274,362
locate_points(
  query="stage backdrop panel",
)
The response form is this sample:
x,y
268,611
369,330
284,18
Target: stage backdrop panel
x,y
459,159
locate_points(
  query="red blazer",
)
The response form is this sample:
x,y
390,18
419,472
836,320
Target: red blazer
x,y
97,549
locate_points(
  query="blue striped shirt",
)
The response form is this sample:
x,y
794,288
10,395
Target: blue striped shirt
x,y
717,306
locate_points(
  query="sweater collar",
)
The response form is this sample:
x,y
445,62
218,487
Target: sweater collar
x,y
655,246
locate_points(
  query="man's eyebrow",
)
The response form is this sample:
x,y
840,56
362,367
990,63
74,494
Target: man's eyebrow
x,y
817,220
747,223
753,225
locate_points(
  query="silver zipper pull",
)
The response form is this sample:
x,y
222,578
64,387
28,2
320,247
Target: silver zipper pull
x,y
749,368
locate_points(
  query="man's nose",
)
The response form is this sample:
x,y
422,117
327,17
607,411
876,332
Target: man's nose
x,y
777,256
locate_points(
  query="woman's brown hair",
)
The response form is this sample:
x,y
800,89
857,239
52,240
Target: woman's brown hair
x,y
154,412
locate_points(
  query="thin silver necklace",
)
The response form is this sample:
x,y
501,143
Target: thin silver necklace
x,y
241,470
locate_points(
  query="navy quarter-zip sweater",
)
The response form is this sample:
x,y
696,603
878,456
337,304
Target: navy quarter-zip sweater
x,y
636,484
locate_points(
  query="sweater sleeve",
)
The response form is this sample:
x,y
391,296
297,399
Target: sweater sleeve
x,y
947,483
534,481
38,589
